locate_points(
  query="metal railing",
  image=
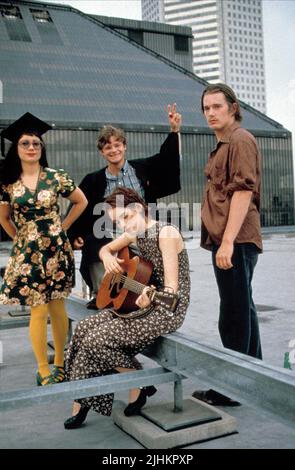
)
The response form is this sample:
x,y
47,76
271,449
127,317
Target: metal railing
x,y
249,380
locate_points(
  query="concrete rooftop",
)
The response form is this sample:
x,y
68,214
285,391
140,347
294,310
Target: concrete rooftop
x,y
42,426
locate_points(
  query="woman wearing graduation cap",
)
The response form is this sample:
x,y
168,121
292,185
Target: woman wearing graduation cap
x,y
40,270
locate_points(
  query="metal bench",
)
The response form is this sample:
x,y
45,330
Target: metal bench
x,y
243,377
85,388
76,309
251,381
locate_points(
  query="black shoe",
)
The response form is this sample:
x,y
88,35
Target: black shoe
x,y
135,407
214,398
92,304
76,421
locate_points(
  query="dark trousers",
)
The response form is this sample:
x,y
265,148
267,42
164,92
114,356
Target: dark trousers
x,y
238,322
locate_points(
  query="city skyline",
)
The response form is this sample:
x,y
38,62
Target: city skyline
x,y
279,44
227,43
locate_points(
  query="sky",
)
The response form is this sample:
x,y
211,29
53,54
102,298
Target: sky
x,y
279,47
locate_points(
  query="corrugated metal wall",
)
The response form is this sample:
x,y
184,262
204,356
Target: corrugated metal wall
x,y
75,151
278,182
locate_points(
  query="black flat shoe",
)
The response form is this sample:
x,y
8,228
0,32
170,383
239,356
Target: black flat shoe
x,y
76,421
214,398
135,407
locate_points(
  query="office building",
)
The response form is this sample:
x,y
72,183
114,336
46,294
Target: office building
x,y
227,43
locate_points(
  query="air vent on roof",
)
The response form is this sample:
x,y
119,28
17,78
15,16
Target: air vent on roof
x,y
41,16
14,23
10,12
46,27
136,36
181,43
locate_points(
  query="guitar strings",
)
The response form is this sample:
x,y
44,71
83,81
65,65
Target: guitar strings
x,y
135,285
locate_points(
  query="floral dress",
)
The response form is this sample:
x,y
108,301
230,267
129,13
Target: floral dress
x,y
41,265
103,342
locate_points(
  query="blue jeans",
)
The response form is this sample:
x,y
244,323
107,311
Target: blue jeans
x,y
238,322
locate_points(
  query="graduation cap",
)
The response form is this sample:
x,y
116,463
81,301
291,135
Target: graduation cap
x,y
25,124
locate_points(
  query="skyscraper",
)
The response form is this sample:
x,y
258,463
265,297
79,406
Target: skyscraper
x,y
227,44
153,10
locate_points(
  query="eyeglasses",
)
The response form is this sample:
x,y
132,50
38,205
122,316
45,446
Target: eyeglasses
x,y
26,144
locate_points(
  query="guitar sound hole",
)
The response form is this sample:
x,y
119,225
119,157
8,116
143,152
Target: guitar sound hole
x,y
116,286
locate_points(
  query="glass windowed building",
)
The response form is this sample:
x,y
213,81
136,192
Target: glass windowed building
x,y
227,41
75,72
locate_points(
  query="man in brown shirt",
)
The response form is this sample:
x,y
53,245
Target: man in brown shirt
x,y
230,218
231,221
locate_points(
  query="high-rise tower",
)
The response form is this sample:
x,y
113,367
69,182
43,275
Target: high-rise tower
x,y
227,44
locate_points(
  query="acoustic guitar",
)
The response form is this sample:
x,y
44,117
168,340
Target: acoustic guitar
x,y
120,291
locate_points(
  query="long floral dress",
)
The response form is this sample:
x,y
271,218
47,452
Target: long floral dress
x,y
41,264
103,342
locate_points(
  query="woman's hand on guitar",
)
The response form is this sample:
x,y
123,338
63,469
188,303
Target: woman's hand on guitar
x,y
112,264
143,300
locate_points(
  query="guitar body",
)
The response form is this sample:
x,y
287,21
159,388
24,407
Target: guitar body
x,y
112,293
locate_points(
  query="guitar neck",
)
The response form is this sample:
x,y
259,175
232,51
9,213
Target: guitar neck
x,y
165,299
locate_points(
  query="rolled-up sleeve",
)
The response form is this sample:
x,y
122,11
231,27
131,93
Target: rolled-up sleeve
x,y
243,163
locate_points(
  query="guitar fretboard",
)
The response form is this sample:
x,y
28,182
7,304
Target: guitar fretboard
x,y
162,298
131,284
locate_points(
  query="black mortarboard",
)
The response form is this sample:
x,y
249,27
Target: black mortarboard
x,y
26,123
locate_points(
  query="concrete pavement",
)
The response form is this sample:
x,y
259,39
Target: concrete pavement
x,y
274,294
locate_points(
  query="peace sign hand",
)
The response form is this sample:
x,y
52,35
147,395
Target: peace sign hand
x,y
174,117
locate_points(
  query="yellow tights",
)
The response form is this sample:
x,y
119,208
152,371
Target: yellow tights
x,y
38,333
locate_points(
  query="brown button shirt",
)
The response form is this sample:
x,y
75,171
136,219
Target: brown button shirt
x,y
234,165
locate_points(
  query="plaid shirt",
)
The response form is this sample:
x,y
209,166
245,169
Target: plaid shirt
x,y
126,179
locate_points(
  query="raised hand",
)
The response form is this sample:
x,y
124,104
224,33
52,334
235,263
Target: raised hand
x,y
174,117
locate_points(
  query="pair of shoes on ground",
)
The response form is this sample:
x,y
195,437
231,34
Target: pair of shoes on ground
x,y
214,398
132,409
57,376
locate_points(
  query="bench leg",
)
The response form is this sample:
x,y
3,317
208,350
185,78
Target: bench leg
x,y
70,331
178,396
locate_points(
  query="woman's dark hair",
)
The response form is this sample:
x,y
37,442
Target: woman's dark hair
x,y
129,197
10,169
229,95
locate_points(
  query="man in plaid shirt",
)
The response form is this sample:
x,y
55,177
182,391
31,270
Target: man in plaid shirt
x,y
144,175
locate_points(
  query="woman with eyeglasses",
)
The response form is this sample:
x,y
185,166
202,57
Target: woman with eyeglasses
x,y
40,270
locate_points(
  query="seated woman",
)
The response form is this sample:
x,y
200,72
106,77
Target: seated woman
x,y
104,343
